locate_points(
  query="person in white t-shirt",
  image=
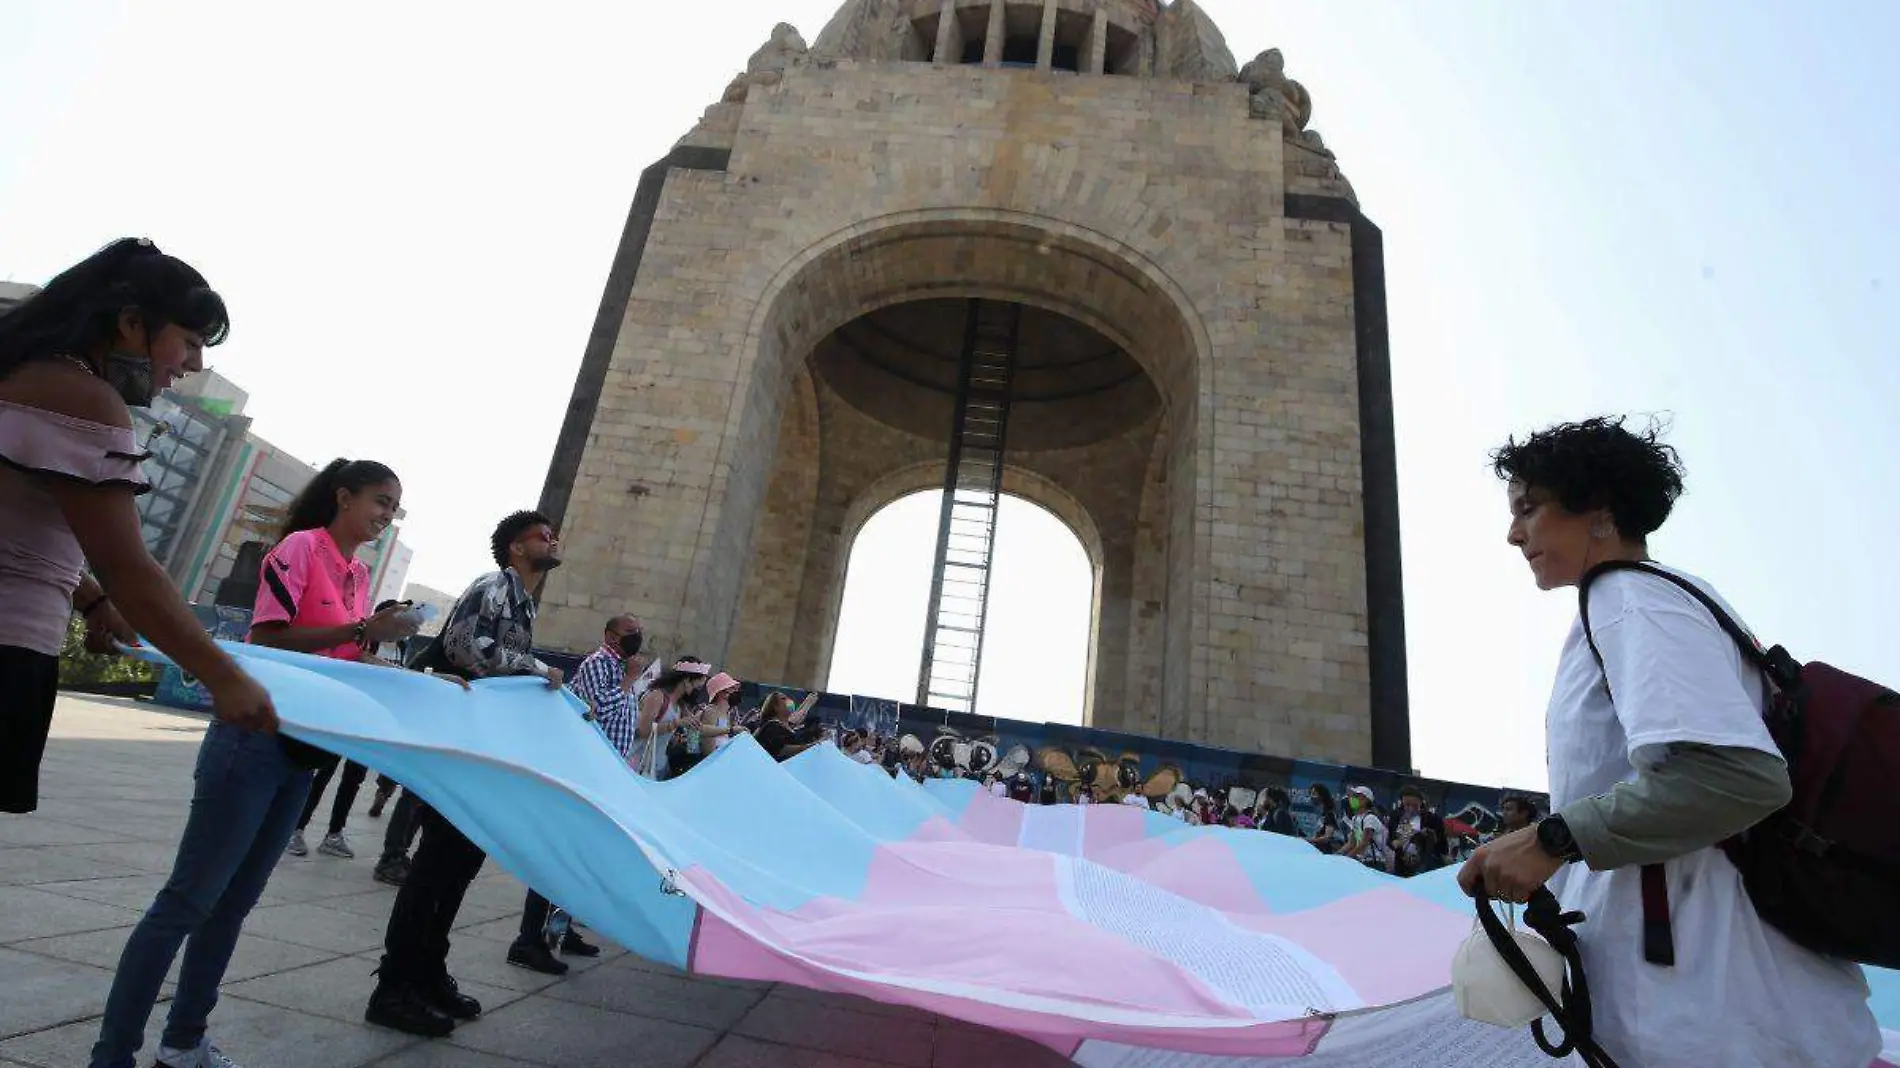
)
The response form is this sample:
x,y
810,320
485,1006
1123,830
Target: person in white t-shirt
x,y
1365,831
1677,762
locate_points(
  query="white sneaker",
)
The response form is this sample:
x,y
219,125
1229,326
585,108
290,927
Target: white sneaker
x,y
335,845
205,1056
297,847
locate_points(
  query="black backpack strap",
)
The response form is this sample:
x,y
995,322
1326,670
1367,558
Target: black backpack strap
x,y
1776,666
1775,663
1659,944
1570,1007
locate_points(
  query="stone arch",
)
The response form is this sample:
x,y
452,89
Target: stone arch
x,y
1076,271
1022,485
759,640
1263,599
995,254
1018,482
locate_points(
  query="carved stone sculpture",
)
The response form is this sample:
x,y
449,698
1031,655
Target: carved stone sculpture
x,y
1189,46
767,66
877,30
1273,95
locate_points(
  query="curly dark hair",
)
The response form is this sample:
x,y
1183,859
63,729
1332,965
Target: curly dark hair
x,y
510,529
1599,463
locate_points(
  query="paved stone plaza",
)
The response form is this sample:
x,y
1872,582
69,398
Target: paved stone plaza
x,y
75,876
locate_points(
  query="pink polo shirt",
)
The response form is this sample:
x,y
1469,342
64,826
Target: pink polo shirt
x,y
307,582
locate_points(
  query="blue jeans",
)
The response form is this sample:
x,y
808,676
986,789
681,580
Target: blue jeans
x,y
244,806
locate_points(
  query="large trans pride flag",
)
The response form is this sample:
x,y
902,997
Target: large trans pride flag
x,y
1113,935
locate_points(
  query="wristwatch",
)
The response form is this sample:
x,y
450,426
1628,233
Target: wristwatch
x,y
1553,837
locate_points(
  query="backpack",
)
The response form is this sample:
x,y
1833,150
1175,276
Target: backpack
x,y
1825,870
431,656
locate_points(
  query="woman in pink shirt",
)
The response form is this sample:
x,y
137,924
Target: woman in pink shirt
x,y
313,597
103,337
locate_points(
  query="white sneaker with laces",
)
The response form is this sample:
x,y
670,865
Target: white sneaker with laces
x,y
297,846
205,1056
335,845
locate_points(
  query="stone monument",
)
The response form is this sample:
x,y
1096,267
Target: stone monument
x,y
1201,385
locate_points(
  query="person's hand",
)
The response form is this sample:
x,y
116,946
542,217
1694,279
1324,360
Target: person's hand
x,y
241,702
554,677
1510,867
448,677
391,624
106,630
636,666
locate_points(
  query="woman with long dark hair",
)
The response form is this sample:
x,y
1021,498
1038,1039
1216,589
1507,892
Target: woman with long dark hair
x,y
779,736
695,741
319,529
103,337
1325,836
662,711
250,787
1276,812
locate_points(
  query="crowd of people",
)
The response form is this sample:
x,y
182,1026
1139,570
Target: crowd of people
x,y
1406,837
1657,747
108,335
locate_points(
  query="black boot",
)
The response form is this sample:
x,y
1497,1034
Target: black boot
x,y
535,957
398,1006
391,871
445,997
574,945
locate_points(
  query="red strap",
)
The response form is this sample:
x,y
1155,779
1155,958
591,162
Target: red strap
x,y
1658,945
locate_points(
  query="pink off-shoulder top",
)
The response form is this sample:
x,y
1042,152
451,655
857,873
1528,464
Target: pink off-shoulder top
x,y
40,559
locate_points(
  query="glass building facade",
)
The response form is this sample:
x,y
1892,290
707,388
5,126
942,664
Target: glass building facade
x,y
187,440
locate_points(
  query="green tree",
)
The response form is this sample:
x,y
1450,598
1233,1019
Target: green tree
x,y
77,667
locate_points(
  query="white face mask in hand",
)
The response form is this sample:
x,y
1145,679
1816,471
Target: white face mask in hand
x,y
1488,991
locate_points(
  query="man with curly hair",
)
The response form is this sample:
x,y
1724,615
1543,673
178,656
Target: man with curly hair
x,y
1656,754
489,633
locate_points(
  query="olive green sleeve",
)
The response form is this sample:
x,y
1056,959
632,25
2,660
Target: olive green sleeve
x,y
1694,797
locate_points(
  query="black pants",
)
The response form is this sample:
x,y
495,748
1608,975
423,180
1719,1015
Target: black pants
x,y
346,788
534,917
29,684
402,828
416,944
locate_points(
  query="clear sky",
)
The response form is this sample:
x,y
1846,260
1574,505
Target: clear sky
x,y
1035,640
1618,206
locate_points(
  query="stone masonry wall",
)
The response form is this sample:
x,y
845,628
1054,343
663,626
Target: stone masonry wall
x,y
1162,209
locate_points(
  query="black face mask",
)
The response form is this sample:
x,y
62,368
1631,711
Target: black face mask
x,y
545,563
630,644
130,376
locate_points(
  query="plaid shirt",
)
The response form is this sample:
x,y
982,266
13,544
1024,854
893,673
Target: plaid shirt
x,y
597,681
490,631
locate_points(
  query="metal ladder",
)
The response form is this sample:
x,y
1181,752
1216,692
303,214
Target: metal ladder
x,y
966,531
